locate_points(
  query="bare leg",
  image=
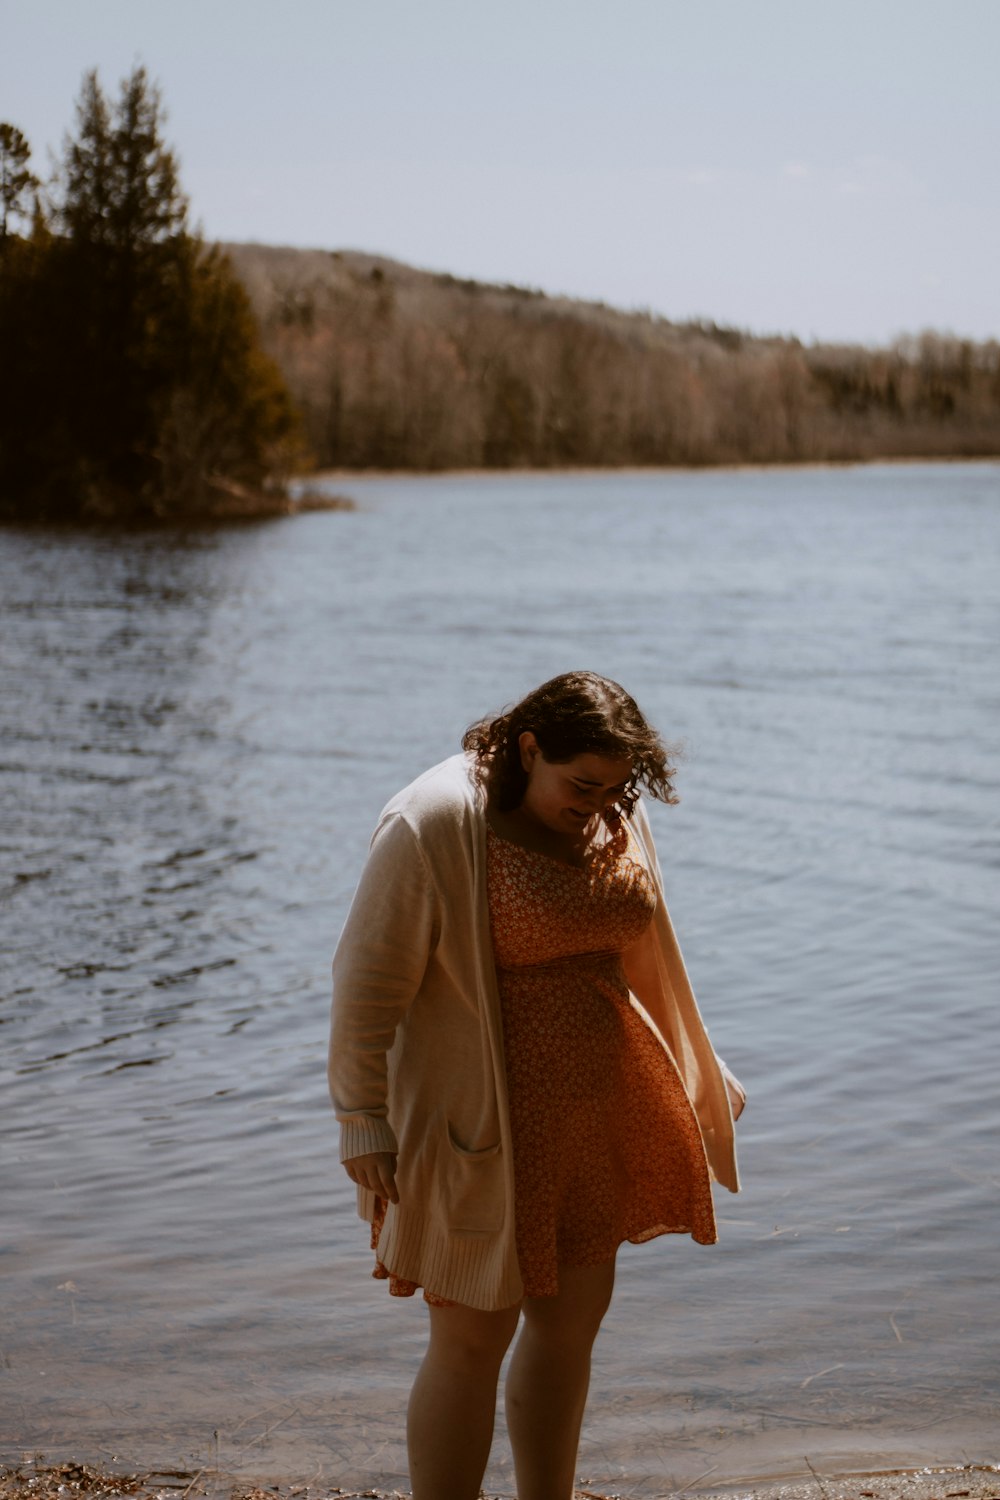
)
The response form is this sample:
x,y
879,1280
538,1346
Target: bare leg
x,y
452,1408
548,1379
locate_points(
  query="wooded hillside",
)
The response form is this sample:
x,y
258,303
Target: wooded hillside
x,y
393,367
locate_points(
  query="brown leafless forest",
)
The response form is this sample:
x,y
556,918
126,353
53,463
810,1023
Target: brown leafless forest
x,y
397,368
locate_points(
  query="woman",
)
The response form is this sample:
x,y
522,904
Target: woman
x,y
519,1069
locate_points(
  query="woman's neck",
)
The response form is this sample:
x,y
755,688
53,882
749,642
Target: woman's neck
x,y
519,826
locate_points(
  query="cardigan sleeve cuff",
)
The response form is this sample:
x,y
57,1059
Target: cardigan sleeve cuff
x,y
362,1134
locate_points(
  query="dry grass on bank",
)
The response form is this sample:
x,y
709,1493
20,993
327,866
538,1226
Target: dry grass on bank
x,y
35,1479
38,1480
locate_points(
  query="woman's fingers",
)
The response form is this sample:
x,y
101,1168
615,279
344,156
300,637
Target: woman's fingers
x,y
385,1171
376,1172
737,1093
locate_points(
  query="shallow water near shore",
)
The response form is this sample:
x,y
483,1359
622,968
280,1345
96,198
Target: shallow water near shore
x,y
196,734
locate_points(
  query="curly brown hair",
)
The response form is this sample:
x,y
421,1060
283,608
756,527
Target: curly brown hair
x,y
578,713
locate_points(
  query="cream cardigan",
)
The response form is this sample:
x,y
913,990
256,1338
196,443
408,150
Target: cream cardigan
x,y
416,1052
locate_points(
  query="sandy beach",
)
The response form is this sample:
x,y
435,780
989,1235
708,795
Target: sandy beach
x,y
36,1479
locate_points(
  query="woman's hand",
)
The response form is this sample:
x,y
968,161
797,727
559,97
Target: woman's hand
x,y
737,1093
376,1172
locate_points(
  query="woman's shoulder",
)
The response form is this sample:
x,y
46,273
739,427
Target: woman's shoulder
x,y
442,799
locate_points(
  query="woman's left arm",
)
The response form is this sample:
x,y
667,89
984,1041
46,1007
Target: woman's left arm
x,y
641,968
737,1093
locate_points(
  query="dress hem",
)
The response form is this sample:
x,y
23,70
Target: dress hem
x,y
399,1286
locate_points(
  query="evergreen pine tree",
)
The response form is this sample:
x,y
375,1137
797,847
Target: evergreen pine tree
x,y
16,182
151,397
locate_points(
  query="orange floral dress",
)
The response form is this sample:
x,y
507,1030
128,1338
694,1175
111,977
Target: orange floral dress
x,y
605,1140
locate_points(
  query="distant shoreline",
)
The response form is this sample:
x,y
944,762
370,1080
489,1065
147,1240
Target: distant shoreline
x,y
304,498
347,476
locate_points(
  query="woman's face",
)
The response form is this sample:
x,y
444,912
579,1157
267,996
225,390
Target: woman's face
x,y
565,795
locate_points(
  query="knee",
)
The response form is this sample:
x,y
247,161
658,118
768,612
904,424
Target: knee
x,y
572,1320
470,1345
567,1330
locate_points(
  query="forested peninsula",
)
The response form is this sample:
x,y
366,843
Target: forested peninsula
x,y
147,375
397,368
133,387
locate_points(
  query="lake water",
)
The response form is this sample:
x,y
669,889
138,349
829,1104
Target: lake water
x,y
198,731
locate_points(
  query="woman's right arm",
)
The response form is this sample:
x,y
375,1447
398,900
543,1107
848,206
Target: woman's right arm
x,y
378,967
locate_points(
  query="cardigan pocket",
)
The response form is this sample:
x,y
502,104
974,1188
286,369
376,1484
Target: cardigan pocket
x,y
474,1188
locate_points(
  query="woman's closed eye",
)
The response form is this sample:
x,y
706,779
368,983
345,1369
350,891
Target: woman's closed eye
x,y
612,794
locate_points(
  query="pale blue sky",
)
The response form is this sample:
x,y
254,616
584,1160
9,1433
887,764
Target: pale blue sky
x,y
829,168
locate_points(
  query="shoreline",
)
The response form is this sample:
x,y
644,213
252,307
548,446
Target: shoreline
x,y
238,506
347,476
36,1479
